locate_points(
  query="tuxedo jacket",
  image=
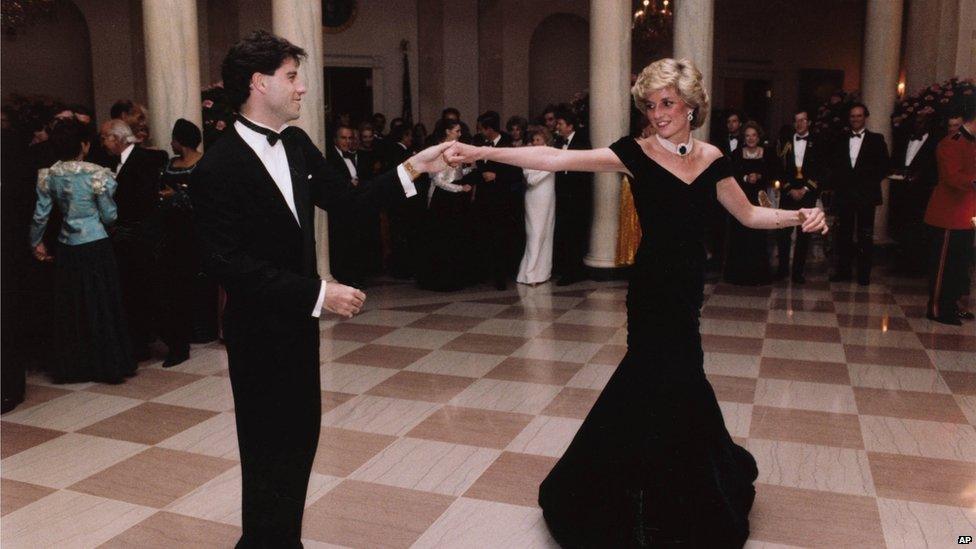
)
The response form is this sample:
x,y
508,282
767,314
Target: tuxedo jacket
x,y
809,176
923,170
250,241
507,179
137,196
859,185
339,164
726,147
575,185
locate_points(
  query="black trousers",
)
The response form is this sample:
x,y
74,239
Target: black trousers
x,y
571,240
859,219
274,374
135,261
493,234
950,259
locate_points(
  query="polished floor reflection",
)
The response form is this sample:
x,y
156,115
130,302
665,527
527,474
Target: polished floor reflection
x,y
443,412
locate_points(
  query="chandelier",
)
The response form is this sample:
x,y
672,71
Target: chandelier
x,y
652,22
15,14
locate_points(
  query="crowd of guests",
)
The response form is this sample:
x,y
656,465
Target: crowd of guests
x,y
99,256
111,264
932,201
481,223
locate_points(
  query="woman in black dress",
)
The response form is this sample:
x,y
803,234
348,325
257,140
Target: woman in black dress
x,y
754,166
653,463
445,262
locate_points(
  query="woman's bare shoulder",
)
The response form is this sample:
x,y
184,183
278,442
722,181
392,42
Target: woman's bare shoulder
x,y
709,152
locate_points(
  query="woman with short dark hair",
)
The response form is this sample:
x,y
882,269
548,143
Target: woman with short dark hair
x,y
90,333
754,167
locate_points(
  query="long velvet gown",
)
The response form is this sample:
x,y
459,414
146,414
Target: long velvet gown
x,y
653,464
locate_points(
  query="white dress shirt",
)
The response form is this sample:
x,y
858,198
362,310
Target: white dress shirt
x,y
914,146
124,156
733,144
854,145
350,165
569,140
800,149
275,161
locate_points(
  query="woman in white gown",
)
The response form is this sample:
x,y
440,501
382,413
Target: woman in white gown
x,y
540,216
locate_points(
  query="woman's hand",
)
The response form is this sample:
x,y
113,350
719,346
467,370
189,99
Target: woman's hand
x,y
813,220
465,188
461,153
40,253
432,159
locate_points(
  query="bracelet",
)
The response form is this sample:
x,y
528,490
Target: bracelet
x,y
411,171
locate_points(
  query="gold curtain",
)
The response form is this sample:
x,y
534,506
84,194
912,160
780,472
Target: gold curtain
x,y
629,230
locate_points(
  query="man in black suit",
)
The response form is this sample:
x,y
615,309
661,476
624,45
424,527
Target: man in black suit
x,y
858,164
574,206
405,217
346,253
800,187
138,229
732,140
914,175
495,185
253,194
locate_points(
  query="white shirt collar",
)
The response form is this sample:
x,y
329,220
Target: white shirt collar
x,y
569,139
125,155
494,142
257,141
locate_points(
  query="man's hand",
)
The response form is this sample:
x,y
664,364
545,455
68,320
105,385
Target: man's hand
x,y
813,220
460,153
343,300
40,253
488,176
432,159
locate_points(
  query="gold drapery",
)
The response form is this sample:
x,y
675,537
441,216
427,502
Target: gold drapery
x,y
629,229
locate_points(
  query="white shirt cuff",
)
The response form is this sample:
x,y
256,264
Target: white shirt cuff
x,y
317,312
408,187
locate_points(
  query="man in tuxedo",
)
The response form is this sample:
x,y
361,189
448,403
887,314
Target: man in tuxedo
x,y
548,119
494,183
346,253
405,217
858,164
138,229
733,138
800,187
914,175
253,194
574,206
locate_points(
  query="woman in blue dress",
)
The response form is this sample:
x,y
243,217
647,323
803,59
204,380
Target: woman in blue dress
x,y
653,463
90,332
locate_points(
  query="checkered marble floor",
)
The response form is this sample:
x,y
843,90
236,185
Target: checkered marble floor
x,y
443,412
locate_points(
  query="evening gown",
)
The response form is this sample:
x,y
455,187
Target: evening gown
x,y
747,255
653,464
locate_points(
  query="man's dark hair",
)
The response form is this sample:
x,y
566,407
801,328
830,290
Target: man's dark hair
x,y
260,52
66,137
490,119
187,133
804,111
734,112
121,107
342,127
550,108
568,116
397,132
451,110
82,110
857,104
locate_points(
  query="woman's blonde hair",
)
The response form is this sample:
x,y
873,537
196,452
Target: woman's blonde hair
x,y
532,131
683,76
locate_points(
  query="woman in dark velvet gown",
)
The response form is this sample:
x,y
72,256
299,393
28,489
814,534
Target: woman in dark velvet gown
x,y
653,464
746,256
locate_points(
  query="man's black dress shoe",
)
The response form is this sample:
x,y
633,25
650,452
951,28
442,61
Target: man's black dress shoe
x,y
950,320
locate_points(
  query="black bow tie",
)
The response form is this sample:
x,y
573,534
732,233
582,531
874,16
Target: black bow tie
x,y
918,136
272,135
735,137
349,155
857,135
801,138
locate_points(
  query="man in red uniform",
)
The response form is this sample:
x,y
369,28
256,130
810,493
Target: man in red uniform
x,y
951,215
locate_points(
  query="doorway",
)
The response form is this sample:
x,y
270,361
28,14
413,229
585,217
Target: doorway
x,y
348,90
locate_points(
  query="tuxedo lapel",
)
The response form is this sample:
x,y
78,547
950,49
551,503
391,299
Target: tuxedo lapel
x,y
251,164
299,179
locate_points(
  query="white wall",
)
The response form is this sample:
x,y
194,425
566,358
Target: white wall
x,y
461,59
376,33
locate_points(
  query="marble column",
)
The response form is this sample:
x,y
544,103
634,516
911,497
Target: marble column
x,y
609,118
879,83
300,21
694,34
172,66
941,41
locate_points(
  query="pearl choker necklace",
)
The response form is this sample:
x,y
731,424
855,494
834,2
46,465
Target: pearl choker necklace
x,y
683,149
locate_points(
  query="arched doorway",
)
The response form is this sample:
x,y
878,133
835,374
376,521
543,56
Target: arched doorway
x,y
559,60
50,57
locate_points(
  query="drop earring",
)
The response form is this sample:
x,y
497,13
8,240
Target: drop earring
x,y
691,116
